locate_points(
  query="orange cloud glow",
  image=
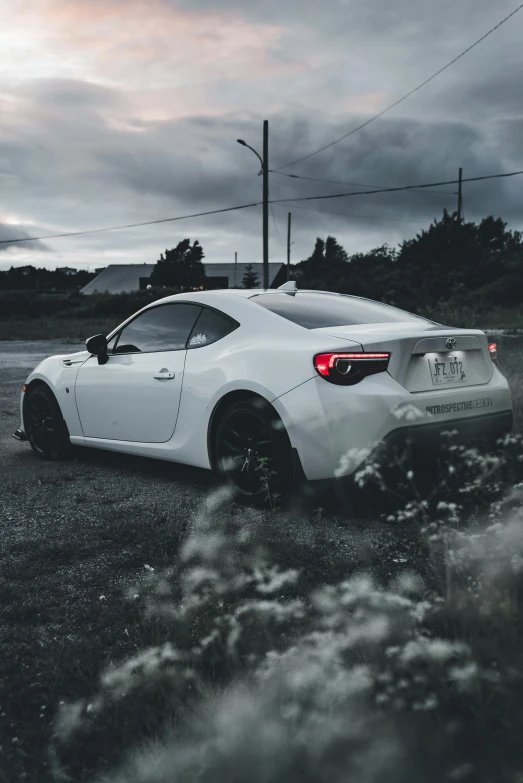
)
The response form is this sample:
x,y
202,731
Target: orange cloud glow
x,y
117,42
369,103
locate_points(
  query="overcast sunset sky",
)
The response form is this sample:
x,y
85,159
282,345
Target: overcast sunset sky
x,y
120,111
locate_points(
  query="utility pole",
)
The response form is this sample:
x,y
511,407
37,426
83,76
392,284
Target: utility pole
x,y
265,171
266,203
460,196
288,245
235,267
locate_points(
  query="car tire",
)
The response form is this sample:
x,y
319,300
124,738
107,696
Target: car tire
x,y
44,425
252,452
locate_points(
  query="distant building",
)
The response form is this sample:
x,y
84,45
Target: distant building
x,y
123,278
227,276
67,270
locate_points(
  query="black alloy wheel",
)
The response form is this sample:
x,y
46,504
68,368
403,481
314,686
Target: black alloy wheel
x,y
252,451
44,425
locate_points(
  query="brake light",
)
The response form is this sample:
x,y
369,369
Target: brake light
x,y
347,369
493,351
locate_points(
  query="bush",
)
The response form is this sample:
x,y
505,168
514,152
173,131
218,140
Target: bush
x,y
259,677
33,305
119,305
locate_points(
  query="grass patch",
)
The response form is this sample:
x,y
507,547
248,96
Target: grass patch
x,y
34,315
62,617
510,318
56,328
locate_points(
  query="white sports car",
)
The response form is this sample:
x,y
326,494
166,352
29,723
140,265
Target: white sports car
x,y
256,383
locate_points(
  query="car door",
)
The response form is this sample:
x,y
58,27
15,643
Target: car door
x,y
135,396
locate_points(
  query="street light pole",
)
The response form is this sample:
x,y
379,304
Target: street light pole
x,y
266,203
289,246
265,172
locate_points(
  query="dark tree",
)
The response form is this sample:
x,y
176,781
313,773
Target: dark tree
x,y
317,260
180,268
325,267
450,265
30,278
371,275
250,278
335,254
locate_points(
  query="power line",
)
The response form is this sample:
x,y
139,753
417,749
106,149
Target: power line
x,y
129,225
356,215
395,190
407,95
259,203
350,184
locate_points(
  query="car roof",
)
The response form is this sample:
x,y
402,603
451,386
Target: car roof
x,y
245,293
248,293
216,294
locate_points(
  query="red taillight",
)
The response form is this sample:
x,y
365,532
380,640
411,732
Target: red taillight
x,y
347,369
493,351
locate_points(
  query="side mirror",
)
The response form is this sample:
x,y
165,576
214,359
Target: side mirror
x,y
97,345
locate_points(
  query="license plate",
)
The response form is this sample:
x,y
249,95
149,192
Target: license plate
x,y
447,369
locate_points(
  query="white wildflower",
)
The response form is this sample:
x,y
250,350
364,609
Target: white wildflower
x,y
351,460
408,412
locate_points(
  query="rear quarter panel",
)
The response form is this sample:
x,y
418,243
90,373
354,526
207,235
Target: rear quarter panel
x,y
266,355
334,425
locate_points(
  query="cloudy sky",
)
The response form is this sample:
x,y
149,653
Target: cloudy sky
x,y
121,111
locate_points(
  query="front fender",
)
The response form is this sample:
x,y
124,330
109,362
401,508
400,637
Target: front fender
x,y
59,374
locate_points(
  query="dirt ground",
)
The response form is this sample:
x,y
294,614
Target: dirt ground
x,y
74,536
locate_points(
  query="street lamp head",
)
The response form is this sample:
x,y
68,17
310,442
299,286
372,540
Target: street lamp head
x,y
241,141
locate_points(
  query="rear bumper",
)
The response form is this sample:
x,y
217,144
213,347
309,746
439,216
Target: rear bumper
x,y
335,428
429,437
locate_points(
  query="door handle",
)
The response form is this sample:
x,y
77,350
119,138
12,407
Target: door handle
x,y
164,376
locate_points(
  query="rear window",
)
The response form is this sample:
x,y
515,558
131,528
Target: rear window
x,y
315,310
209,327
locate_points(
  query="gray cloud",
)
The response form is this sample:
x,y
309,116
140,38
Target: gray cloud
x,y
9,232
78,154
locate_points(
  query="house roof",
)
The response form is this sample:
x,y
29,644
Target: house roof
x,y
227,270
120,278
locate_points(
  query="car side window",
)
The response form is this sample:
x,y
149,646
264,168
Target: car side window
x,y
163,328
210,326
